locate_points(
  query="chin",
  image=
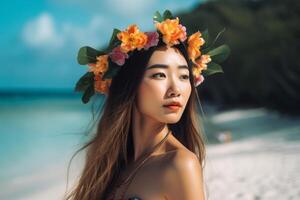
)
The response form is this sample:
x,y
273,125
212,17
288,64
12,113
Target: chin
x,y
171,119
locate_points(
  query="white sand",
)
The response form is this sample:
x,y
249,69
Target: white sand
x,y
260,168
265,167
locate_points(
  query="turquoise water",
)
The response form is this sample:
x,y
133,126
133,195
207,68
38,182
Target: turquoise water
x,y
39,132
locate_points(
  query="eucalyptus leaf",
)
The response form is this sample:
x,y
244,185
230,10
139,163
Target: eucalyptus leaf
x,y
167,15
206,37
217,37
112,71
157,17
220,53
206,50
114,41
222,56
86,80
88,93
88,55
212,68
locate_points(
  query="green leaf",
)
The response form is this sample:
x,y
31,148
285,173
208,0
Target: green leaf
x,y
205,36
210,45
114,41
86,84
220,53
217,37
167,15
111,71
88,55
157,17
88,93
206,50
86,80
212,68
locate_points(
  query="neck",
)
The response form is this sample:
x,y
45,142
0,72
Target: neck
x,y
146,133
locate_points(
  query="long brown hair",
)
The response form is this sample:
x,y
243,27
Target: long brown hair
x,y
111,147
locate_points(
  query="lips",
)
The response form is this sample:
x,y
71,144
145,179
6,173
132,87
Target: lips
x,y
173,106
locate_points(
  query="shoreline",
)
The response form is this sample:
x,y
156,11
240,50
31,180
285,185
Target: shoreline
x,y
254,168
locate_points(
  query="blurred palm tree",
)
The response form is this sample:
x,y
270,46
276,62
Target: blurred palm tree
x,y
264,37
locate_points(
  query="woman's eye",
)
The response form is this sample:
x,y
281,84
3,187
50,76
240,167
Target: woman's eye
x,y
185,76
162,75
157,75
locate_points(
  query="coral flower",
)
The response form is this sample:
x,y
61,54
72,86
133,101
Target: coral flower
x,y
194,43
172,31
197,71
202,62
132,38
101,65
198,80
101,86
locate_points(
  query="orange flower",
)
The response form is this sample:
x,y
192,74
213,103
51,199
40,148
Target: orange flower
x,y
202,62
101,65
194,43
172,31
200,65
132,38
101,86
196,71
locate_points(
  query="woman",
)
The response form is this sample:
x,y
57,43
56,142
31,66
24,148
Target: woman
x,y
148,143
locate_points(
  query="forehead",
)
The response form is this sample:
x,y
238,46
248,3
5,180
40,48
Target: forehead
x,y
167,56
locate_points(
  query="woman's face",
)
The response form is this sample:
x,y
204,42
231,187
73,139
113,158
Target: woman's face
x,y
166,80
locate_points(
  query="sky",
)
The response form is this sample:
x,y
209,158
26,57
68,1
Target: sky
x,y
40,39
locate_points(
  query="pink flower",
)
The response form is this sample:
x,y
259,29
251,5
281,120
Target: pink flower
x,y
198,80
152,39
117,56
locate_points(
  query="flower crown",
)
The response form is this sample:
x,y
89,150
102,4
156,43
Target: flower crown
x,y
104,65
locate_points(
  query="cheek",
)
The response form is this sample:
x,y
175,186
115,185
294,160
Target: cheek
x,y
149,97
187,91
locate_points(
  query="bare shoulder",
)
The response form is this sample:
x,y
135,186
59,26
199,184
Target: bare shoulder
x,y
184,177
184,162
184,157
180,156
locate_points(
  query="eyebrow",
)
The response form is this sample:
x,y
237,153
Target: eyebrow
x,y
166,66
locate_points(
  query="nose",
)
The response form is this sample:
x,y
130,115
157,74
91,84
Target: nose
x,y
173,91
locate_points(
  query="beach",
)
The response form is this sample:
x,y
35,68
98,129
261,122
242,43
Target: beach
x,y
250,170
260,162
253,169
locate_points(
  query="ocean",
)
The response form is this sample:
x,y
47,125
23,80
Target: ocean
x,y
39,134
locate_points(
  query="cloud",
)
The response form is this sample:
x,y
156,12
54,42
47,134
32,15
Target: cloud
x,y
49,33
91,33
41,32
45,32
